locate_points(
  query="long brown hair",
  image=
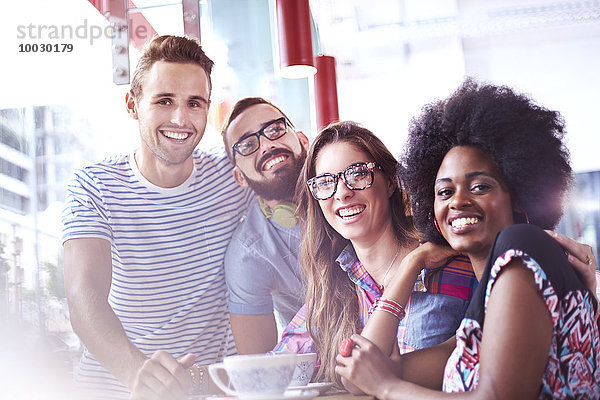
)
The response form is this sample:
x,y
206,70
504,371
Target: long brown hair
x,y
332,300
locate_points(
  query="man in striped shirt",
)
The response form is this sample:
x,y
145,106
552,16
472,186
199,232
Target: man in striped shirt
x,y
144,238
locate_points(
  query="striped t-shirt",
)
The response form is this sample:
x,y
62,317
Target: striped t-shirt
x,y
168,286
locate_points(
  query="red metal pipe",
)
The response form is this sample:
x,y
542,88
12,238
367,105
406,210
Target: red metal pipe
x,y
140,30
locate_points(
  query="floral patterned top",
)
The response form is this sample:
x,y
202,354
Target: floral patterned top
x,y
573,367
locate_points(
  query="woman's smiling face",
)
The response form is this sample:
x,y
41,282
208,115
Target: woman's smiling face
x,y
357,215
472,203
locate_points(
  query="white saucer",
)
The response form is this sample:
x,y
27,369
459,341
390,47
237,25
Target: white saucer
x,y
290,394
322,387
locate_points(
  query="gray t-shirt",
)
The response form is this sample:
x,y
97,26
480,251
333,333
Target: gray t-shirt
x,y
262,270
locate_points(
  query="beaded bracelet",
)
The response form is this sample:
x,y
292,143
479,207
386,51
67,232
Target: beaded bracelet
x,y
198,381
390,306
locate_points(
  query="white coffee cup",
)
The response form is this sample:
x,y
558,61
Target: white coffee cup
x,y
255,375
305,366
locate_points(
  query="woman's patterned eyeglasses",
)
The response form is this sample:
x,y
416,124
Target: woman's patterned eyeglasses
x,y
357,176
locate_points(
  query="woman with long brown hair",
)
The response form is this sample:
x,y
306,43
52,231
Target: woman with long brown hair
x,y
356,235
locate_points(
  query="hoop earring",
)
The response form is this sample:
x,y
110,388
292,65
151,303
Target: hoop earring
x,y
522,211
437,227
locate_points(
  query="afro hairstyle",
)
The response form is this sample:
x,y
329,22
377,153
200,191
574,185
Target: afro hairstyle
x,y
522,138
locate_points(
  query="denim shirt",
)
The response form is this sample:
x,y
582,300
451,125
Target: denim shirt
x,y
262,270
433,312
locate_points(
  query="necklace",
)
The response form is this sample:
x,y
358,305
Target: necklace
x,y
388,269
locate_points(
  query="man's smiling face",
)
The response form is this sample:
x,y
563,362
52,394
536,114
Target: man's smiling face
x,y
273,170
172,110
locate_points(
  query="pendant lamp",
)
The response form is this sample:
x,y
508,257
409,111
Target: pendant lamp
x,y
295,38
326,98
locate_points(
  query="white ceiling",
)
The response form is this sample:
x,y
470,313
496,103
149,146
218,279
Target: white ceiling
x,y
360,33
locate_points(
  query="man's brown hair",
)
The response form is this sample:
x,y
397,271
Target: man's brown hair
x,y
169,48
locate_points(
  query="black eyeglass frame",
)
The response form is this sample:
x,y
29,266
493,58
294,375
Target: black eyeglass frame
x,y
258,134
371,166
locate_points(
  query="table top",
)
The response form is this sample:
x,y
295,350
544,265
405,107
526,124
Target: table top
x,y
343,396
330,395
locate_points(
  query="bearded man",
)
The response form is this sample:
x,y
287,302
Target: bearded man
x,y
263,276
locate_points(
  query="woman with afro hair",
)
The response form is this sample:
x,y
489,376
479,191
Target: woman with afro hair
x,y
486,171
